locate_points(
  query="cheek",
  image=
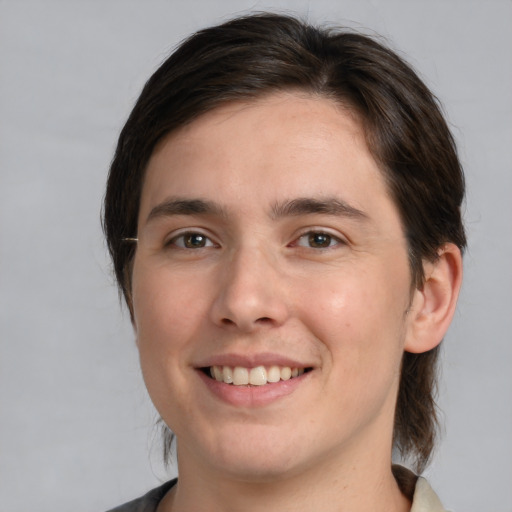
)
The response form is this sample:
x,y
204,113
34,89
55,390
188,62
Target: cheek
x,y
164,310
360,319
362,332
165,319
163,301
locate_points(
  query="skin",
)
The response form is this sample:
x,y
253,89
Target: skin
x,y
255,286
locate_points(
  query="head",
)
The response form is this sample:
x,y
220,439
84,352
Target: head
x,y
251,58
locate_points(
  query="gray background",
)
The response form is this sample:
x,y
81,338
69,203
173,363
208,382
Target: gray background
x,y
76,428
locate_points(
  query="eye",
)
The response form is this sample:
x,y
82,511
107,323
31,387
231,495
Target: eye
x,y
318,240
191,241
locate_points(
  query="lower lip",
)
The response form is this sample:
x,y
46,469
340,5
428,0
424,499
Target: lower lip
x,y
252,396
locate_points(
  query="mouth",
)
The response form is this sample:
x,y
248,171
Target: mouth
x,y
256,376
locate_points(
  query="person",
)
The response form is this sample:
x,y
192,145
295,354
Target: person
x,y
283,212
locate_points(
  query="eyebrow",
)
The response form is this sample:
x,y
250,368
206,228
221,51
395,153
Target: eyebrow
x,y
175,206
291,208
308,206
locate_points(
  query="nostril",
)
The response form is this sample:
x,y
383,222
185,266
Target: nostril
x,y
264,320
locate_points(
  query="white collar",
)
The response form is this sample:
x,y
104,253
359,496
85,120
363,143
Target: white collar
x,y
425,499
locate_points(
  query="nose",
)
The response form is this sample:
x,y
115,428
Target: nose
x,y
252,293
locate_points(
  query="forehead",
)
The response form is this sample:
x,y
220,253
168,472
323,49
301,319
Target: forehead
x,y
284,120
285,144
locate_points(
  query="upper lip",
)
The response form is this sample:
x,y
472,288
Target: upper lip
x,y
251,360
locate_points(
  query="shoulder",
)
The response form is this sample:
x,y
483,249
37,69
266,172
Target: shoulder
x,y
147,503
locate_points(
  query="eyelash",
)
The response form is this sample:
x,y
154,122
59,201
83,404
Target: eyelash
x,y
201,238
190,234
333,241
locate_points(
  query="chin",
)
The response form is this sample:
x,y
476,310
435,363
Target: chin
x,y
263,470
257,458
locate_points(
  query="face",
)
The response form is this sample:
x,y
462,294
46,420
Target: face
x,y
270,290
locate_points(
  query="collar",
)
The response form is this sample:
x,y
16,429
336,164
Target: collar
x,y
425,499
418,490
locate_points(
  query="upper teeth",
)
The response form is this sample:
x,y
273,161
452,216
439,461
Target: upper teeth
x,y
258,376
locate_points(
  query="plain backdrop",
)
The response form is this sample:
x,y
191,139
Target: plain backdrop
x,y
76,427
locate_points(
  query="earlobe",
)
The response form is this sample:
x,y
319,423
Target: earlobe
x,y
433,306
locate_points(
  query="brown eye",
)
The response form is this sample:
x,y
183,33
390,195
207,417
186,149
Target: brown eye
x,y
192,241
318,240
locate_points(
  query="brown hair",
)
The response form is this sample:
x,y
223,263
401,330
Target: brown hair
x,y
405,130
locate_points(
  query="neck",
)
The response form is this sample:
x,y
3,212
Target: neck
x,y
366,486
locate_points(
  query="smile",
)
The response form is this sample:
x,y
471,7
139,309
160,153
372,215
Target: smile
x,y
258,376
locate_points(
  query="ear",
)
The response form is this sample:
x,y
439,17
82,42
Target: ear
x,y
433,306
